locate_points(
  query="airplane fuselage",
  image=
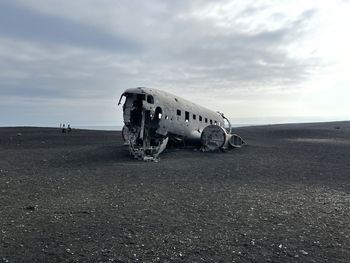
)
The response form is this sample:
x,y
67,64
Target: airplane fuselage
x,y
173,114
152,117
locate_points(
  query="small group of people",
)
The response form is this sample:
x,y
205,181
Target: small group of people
x,y
64,129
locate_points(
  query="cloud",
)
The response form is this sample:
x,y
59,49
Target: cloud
x,y
223,52
23,23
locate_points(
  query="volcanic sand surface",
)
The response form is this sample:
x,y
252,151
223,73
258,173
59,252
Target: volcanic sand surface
x,y
285,197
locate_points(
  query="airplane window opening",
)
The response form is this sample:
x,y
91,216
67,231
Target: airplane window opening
x,y
215,122
194,116
158,113
178,112
166,117
150,99
187,116
206,120
200,118
211,122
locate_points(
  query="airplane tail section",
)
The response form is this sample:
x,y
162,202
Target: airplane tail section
x,y
216,138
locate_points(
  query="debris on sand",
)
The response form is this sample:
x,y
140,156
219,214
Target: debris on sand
x,y
31,207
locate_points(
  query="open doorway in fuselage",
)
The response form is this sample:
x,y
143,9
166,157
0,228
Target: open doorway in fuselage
x,y
136,111
152,125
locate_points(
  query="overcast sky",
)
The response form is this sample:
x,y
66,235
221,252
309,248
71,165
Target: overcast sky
x,y
256,61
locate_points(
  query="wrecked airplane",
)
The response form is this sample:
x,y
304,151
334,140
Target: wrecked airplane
x,y
153,117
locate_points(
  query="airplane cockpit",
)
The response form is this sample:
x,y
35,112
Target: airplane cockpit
x,y
142,120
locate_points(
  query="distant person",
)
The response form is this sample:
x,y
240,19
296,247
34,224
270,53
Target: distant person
x,y
63,128
69,129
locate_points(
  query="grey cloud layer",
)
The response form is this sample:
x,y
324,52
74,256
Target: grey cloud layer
x,y
25,24
150,43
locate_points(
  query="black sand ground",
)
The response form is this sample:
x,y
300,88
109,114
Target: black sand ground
x,y
80,198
